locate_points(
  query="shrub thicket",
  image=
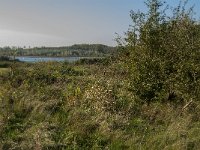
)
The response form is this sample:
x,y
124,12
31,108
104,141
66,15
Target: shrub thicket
x,y
162,53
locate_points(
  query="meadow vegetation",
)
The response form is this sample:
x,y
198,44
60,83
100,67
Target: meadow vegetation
x,y
146,96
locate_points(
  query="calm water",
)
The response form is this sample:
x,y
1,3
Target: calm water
x,y
41,59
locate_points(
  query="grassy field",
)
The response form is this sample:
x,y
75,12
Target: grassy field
x,y
4,71
87,106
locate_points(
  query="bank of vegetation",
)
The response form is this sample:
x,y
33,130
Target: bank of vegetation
x,y
77,50
145,97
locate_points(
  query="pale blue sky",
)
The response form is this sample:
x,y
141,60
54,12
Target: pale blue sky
x,y
66,22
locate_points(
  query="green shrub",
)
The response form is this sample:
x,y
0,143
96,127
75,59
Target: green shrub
x,y
162,54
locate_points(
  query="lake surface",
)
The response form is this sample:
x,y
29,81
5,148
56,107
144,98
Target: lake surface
x,y
45,59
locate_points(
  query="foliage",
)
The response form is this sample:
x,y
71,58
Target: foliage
x,y
56,105
96,61
4,58
162,54
77,50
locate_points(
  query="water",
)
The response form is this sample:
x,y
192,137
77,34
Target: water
x,y
45,59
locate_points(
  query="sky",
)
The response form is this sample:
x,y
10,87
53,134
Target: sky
x,y
67,22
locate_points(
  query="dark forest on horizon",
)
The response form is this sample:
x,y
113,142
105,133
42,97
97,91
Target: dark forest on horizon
x,y
76,50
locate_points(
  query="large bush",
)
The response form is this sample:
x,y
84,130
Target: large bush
x,y
162,53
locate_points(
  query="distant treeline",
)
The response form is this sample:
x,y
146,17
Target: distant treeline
x,y
79,50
